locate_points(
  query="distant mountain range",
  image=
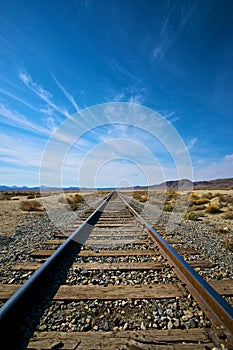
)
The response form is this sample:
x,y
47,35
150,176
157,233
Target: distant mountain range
x,y
197,185
183,184
36,188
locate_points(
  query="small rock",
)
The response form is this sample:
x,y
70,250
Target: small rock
x,y
170,325
143,327
169,313
191,323
43,327
106,326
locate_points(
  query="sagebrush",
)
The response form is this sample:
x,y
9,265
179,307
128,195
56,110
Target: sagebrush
x,y
31,205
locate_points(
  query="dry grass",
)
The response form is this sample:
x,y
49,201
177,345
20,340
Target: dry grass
x,y
213,209
192,215
30,196
197,207
199,201
31,205
171,195
73,200
141,196
168,206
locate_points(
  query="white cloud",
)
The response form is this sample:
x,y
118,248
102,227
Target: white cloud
x,y
20,152
17,98
219,169
119,97
48,110
19,177
11,117
192,143
158,52
120,69
188,147
41,92
173,23
229,157
66,93
137,99
131,94
170,116
51,123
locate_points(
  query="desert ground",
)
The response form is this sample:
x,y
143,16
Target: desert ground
x,y
12,214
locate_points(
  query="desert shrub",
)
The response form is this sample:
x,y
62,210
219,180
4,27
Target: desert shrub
x,y
213,209
194,196
197,207
208,195
37,194
228,215
199,201
171,194
191,215
73,199
74,206
30,196
143,199
138,194
30,205
168,207
78,198
225,198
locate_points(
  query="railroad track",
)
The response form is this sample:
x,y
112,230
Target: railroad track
x,y
115,283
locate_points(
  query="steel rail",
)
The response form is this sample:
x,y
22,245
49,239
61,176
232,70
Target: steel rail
x,y
14,309
213,304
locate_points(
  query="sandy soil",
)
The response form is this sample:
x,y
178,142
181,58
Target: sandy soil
x,y
11,215
216,219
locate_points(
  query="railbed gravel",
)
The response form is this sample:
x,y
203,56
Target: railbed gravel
x,y
30,234
106,278
34,230
200,235
136,314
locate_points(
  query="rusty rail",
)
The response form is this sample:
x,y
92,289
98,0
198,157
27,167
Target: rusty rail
x,y
218,310
13,312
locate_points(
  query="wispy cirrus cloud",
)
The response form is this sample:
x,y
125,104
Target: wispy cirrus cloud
x,y
191,143
172,24
66,93
17,98
131,94
169,115
118,68
188,146
45,95
14,118
222,168
20,152
229,157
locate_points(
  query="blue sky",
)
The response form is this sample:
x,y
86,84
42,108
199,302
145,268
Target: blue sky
x,y
60,57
